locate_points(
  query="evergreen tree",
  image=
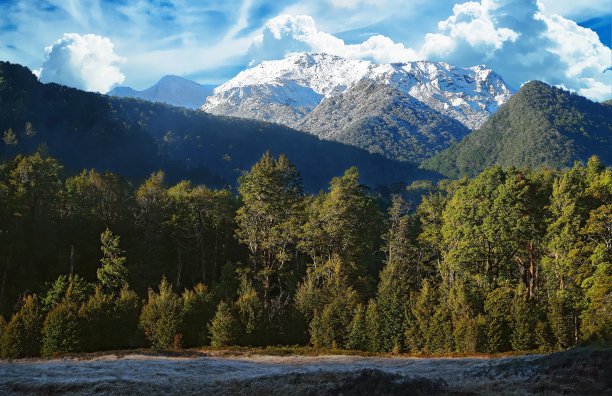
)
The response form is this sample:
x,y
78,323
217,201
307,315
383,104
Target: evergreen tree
x,y
328,302
524,321
498,310
222,328
78,288
113,273
61,332
358,336
269,220
197,312
22,335
161,318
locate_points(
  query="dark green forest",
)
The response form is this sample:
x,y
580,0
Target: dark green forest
x,y
511,259
540,126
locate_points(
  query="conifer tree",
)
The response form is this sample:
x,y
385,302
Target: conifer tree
x,y
269,220
61,332
22,335
197,311
162,316
222,328
113,273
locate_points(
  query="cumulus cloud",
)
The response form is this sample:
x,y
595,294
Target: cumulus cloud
x,y
86,62
517,40
513,37
287,34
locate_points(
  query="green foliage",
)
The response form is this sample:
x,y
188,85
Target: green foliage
x,y
197,312
162,316
72,287
269,220
22,335
61,332
498,310
113,273
99,322
524,321
328,302
358,336
540,126
124,135
223,327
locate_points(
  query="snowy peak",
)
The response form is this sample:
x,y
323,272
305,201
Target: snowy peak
x,y
286,90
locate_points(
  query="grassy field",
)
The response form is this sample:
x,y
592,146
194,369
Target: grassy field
x,y
301,370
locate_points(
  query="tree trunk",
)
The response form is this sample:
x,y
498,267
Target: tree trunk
x,y
71,259
179,268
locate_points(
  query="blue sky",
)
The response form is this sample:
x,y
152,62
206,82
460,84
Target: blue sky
x,y
97,44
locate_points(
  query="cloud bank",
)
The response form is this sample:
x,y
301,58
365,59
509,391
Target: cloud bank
x,y
86,62
513,37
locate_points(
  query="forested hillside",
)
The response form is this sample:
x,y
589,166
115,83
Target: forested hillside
x,y
135,138
540,126
508,260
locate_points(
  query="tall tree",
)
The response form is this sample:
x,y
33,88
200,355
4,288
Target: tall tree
x,y
269,221
113,275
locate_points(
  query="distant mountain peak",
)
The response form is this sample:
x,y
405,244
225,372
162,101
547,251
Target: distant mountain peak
x,y
170,89
285,90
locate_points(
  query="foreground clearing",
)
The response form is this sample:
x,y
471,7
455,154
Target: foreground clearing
x,y
582,371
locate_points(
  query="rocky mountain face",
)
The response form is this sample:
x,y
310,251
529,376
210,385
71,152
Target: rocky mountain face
x,y
172,90
419,107
382,119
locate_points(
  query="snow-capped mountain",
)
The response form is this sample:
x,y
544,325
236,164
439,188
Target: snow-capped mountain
x,y
285,91
173,90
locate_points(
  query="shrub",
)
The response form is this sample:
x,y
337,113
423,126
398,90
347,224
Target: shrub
x,y
127,311
62,330
197,312
22,335
99,321
223,327
162,316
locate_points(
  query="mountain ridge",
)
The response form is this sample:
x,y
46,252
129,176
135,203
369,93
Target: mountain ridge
x,y
134,137
295,85
540,126
170,89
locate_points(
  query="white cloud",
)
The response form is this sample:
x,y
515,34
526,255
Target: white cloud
x,y
513,37
86,62
519,41
286,34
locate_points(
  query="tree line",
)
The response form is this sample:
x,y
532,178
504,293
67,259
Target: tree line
x,y
511,259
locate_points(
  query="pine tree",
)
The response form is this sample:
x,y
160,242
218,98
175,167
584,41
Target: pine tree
x,y
162,316
400,276
358,336
113,273
222,328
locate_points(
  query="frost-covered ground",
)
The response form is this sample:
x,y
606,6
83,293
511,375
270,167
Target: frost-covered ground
x,y
576,372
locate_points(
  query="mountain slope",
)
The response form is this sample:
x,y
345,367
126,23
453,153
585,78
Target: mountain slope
x,y
136,137
539,126
284,91
382,119
172,90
